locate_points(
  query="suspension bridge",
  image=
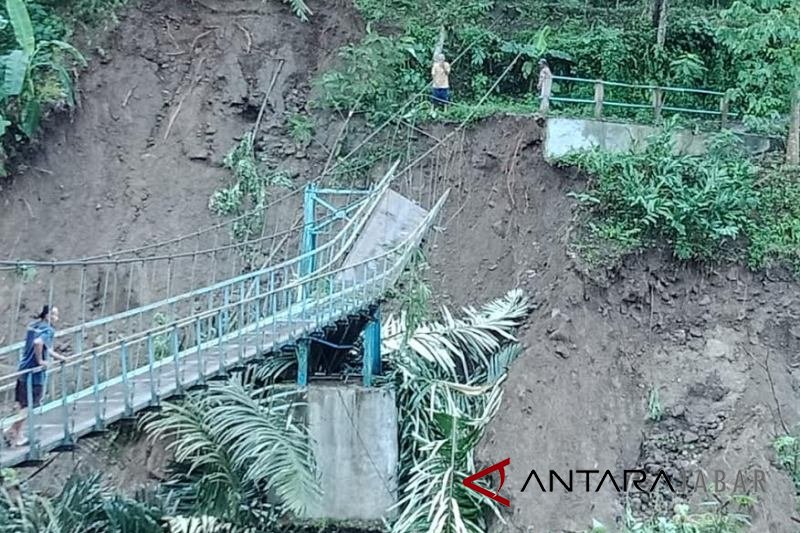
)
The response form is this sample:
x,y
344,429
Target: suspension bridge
x,y
158,320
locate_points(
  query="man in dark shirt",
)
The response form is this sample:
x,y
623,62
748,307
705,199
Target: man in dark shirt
x,y
39,339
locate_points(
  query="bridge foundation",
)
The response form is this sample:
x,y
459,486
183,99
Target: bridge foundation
x,y
354,430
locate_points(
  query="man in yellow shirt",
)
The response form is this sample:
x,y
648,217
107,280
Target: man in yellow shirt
x,y
440,72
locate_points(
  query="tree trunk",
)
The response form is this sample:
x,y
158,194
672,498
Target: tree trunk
x,y
661,32
793,140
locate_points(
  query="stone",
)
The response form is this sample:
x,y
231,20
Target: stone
x,y
705,300
690,437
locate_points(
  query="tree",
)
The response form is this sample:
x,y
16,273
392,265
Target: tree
x,y
761,37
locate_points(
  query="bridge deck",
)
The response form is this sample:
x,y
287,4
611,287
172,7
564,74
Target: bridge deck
x,y
74,418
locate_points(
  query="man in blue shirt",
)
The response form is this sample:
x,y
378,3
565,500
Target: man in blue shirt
x,y
39,339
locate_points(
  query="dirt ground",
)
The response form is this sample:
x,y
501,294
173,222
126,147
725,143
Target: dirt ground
x,y
177,83
168,93
719,344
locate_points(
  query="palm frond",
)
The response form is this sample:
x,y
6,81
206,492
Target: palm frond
x,y
460,346
201,524
265,441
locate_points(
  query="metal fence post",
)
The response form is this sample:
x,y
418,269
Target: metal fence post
x,y
175,348
125,383
302,362
151,357
67,435
98,419
372,348
33,452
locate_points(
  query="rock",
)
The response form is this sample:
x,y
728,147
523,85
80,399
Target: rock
x,y
695,332
678,410
715,349
795,331
499,229
705,300
199,156
560,335
690,437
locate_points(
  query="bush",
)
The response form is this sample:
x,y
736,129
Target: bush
x,y
696,204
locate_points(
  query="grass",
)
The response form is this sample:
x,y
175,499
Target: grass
x,y
655,410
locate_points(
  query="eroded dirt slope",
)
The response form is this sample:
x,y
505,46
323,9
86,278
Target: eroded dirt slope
x,y
720,345
169,92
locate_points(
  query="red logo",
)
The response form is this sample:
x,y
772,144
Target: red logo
x,y
501,466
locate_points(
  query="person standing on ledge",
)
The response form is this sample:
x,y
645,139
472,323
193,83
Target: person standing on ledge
x,y
440,72
545,86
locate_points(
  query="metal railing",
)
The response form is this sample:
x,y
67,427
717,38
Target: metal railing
x,y
136,370
325,256
657,101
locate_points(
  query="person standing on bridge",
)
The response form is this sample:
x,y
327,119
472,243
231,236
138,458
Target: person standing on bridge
x,y
440,72
39,339
545,86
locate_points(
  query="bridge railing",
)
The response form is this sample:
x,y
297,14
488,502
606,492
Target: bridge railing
x,y
88,288
102,331
655,99
186,351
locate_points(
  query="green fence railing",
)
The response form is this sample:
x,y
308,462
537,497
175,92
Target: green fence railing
x,y
659,99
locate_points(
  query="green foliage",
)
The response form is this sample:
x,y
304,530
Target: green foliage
x,y
379,73
761,38
717,520
247,198
33,73
301,128
787,450
234,443
713,45
698,205
774,229
84,504
448,376
654,408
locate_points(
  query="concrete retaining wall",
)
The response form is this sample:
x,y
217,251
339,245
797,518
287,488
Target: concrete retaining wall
x,y
564,135
355,446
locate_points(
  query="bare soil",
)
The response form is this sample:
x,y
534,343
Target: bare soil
x,y
720,344
177,83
